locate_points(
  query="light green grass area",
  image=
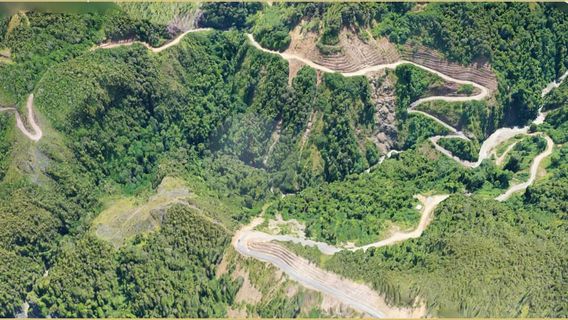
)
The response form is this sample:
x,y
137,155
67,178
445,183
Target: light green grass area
x,y
520,158
5,56
158,12
502,147
124,218
467,116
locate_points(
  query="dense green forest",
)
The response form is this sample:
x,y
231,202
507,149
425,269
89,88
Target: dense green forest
x,y
525,44
556,122
465,150
361,208
227,120
475,118
454,264
38,41
5,143
169,273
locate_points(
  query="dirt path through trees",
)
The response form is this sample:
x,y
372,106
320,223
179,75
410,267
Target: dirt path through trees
x,y
488,146
36,132
259,245
175,41
361,297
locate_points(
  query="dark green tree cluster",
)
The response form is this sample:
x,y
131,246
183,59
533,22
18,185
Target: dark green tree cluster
x,y
465,150
271,27
227,15
412,83
17,275
345,102
124,115
5,143
523,153
34,219
526,54
557,98
556,122
168,273
287,158
39,40
232,179
81,283
475,118
220,114
172,273
495,259
120,27
418,128
360,208
261,85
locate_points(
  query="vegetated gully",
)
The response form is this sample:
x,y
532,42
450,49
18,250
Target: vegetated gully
x,y
259,245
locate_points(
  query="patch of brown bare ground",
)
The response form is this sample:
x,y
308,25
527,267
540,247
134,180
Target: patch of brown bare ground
x,y
251,294
479,72
293,67
354,54
247,293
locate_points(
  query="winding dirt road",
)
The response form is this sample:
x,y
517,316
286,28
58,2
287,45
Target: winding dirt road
x,y
259,245
533,172
483,91
487,148
37,133
175,41
500,159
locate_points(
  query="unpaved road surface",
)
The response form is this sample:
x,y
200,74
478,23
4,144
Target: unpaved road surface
x,y
359,296
114,44
258,245
36,133
533,172
483,91
501,158
429,204
488,146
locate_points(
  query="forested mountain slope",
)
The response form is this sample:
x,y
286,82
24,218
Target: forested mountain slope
x,y
237,128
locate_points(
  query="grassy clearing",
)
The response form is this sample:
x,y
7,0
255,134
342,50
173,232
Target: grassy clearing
x,y
520,158
126,217
470,116
502,147
158,12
